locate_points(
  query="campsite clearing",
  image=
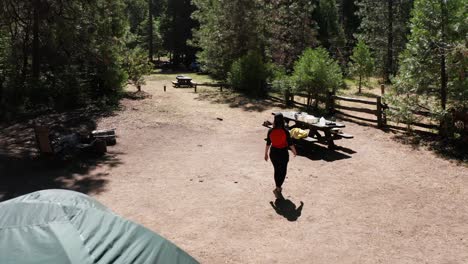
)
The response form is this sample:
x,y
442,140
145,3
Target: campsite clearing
x,y
190,167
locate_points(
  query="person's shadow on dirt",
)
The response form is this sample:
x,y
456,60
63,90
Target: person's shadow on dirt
x,y
287,209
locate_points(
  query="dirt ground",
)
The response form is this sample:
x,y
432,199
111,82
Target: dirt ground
x,y
202,183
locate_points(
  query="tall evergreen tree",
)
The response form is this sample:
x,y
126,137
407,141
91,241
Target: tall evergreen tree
x,y
228,30
61,53
349,21
433,67
384,26
291,30
362,63
176,29
330,33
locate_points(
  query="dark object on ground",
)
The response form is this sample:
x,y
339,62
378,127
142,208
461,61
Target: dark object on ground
x,y
107,135
138,95
66,145
287,209
219,118
61,226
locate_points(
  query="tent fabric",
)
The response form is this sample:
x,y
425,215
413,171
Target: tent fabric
x,y
60,226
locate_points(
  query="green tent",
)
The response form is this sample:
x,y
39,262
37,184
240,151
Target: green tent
x,y
60,226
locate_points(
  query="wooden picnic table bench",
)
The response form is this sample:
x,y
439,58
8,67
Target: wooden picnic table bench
x,y
295,140
183,81
331,130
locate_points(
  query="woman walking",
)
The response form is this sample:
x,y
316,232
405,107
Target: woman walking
x,y
279,141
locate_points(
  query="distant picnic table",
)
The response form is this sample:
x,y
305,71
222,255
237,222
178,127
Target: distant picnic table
x,y
331,130
183,81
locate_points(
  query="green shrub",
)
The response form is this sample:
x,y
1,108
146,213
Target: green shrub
x,y
316,73
249,74
362,63
137,65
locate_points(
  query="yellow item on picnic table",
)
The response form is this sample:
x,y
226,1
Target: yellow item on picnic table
x,y
298,133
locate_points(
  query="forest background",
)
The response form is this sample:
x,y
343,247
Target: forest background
x,y
66,54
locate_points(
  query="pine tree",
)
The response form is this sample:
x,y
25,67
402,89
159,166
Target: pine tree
x,y
433,69
362,63
330,33
291,30
176,30
384,26
228,30
349,22
316,73
62,53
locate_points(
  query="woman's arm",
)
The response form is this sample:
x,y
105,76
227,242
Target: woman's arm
x,y
267,147
290,142
268,144
293,149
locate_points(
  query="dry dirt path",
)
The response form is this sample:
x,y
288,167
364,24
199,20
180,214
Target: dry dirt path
x,y
203,184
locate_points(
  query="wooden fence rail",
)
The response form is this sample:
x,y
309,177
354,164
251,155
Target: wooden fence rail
x,y
357,109
356,117
220,85
355,100
379,111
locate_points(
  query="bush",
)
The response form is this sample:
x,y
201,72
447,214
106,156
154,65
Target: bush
x,y
362,63
316,73
137,65
249,74
282,83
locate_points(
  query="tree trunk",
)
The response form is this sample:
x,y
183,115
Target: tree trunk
x,y
35,44
443,130
175,39
443,70
389,62
150,30
25,53
342,14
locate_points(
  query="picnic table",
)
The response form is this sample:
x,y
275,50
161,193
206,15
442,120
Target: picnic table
x,y
331,130
183,81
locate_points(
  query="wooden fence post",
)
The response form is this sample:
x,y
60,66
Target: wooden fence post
x,y
382,89
164,88
287,95
195,87
221,88
330,103
379,112
384,114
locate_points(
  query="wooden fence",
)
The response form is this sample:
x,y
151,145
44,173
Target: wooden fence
x,y
220,85
375,107
378,112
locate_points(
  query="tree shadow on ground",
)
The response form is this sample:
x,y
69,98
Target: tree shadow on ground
x,y
235,100
287,209
450,149
136,95
445,148
318,152
20,176
23,170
